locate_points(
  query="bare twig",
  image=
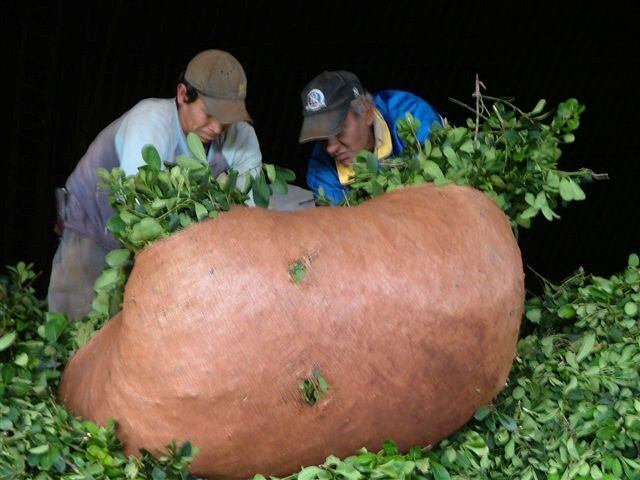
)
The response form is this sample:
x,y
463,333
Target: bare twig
x,y
507,102
71,465
495,109
462,104
478,98
35,277
346,199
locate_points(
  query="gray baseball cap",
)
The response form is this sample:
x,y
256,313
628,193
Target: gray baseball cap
x,y
325,104
222,84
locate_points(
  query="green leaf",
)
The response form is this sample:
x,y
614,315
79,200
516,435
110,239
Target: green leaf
x,y
571,448
115,224
482,413
566,311
49,458
21,359
271,172
509,449
390,448
539,107
570,358
372,164
451,156
518,393
232,179
8,372
279,186
106,279
310,473
467,147
146,229
530,198
287,175
201,211
158,474
534,315
376,189
607,433
439,472
297,271
566,191
616,467
128,218
578,194
439,182
188,163
631,309
427,147
431,168
586,348
541,200
323,384
152,157
572,385
40,449
548,213
634,260
595,472
553,180
118,257
529,213
196,147
260,190
56,323
7,340
507,422
496,181
185,220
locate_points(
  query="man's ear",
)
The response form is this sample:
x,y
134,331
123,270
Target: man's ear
x,y
181,93
368,113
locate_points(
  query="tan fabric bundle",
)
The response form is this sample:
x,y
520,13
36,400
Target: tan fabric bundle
x,y
409,305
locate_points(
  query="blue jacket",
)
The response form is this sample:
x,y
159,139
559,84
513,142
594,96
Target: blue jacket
x,y
393,105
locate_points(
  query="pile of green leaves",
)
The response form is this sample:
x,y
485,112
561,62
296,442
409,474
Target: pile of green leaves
x,y
40,439
509,154
157,201
571,409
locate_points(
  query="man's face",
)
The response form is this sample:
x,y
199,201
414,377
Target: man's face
x,y
356,135
194,118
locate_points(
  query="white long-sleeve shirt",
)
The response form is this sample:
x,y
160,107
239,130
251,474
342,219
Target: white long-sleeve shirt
x,y
150,122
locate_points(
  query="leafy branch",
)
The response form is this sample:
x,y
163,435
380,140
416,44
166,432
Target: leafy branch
x,y
508,153
163,198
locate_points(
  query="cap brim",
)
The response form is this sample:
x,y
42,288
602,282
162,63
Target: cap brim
x,y
226,111
322,125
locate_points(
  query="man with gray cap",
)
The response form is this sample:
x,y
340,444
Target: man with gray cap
x,y
209,101
344,119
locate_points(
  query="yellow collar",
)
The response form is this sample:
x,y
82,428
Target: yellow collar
x,y
383,147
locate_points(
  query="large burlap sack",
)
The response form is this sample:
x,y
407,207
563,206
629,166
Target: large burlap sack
x,y
410,308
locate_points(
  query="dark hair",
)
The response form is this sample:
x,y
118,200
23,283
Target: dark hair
x,y
192,92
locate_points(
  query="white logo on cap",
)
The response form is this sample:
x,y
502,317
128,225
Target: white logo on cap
x,y
315,100
356,92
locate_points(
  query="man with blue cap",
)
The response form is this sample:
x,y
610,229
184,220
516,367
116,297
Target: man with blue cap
x,y
344,119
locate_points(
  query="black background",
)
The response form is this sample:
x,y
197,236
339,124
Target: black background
x,y
72,69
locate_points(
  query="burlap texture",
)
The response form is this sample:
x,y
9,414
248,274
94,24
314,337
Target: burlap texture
x,y
410,307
